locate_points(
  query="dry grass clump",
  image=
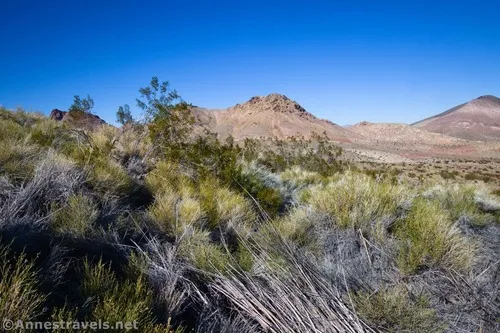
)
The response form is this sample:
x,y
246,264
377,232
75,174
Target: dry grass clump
x,y
167,176
131,141
465,200
395,309
76,217
17,159
118,301
197,247
301,177
293,297
174,213
356,200
19,297
55,179
103,139
224,206
430,239
11,130
107,176
298,227
44,132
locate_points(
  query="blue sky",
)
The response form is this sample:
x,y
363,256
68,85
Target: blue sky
x,y
347,61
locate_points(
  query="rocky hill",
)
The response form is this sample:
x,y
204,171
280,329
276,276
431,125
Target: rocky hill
x,y
81,119
271,116
478,119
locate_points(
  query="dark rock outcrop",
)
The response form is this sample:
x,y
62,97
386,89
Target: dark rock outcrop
x,y
81,119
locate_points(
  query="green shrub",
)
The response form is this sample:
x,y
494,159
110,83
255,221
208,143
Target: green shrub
x,y
17,160
109,177
44,132
356,200
394,310
19,297
76,217
97,279
174,213
204,255
301,177
430,239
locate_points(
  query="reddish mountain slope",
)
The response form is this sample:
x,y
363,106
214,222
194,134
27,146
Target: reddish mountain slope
x,y
477,120
272,116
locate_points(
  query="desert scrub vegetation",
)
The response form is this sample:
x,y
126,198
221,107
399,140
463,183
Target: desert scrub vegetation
x,y
356,200
431,239
183,231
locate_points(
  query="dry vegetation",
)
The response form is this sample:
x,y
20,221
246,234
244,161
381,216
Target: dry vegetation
x,y
207,236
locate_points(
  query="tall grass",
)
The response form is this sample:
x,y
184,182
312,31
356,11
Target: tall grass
x,y
19,295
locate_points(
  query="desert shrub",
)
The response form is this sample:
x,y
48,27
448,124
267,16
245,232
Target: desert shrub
x,y
12,130
445,174
278,298
80,106
263,187
394,309
223,205
174,212
300,176
17,160
356,200
55,178
19,295
198,249
45,132
430,239
103,139
107,176
132,141
467,200
126,301
296,226
97,278
76,217
118,300
168,176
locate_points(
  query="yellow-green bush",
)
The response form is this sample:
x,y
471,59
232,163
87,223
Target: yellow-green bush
x,y
355,200
296,227
168,176
19,297
203,254
96,278
77,216
301,177
17,159
393,310
44,132
430,239
107,176
173,213
103,138
223,205
12,130
131,141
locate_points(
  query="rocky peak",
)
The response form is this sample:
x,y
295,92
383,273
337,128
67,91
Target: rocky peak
x,y
273,103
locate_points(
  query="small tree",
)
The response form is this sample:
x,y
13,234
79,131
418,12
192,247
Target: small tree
x,y
79,105
171,120
123,115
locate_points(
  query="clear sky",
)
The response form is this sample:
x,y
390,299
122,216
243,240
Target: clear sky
x,y
346,61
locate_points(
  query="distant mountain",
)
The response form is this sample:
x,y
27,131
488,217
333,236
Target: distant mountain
x,y
271,116
477,120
